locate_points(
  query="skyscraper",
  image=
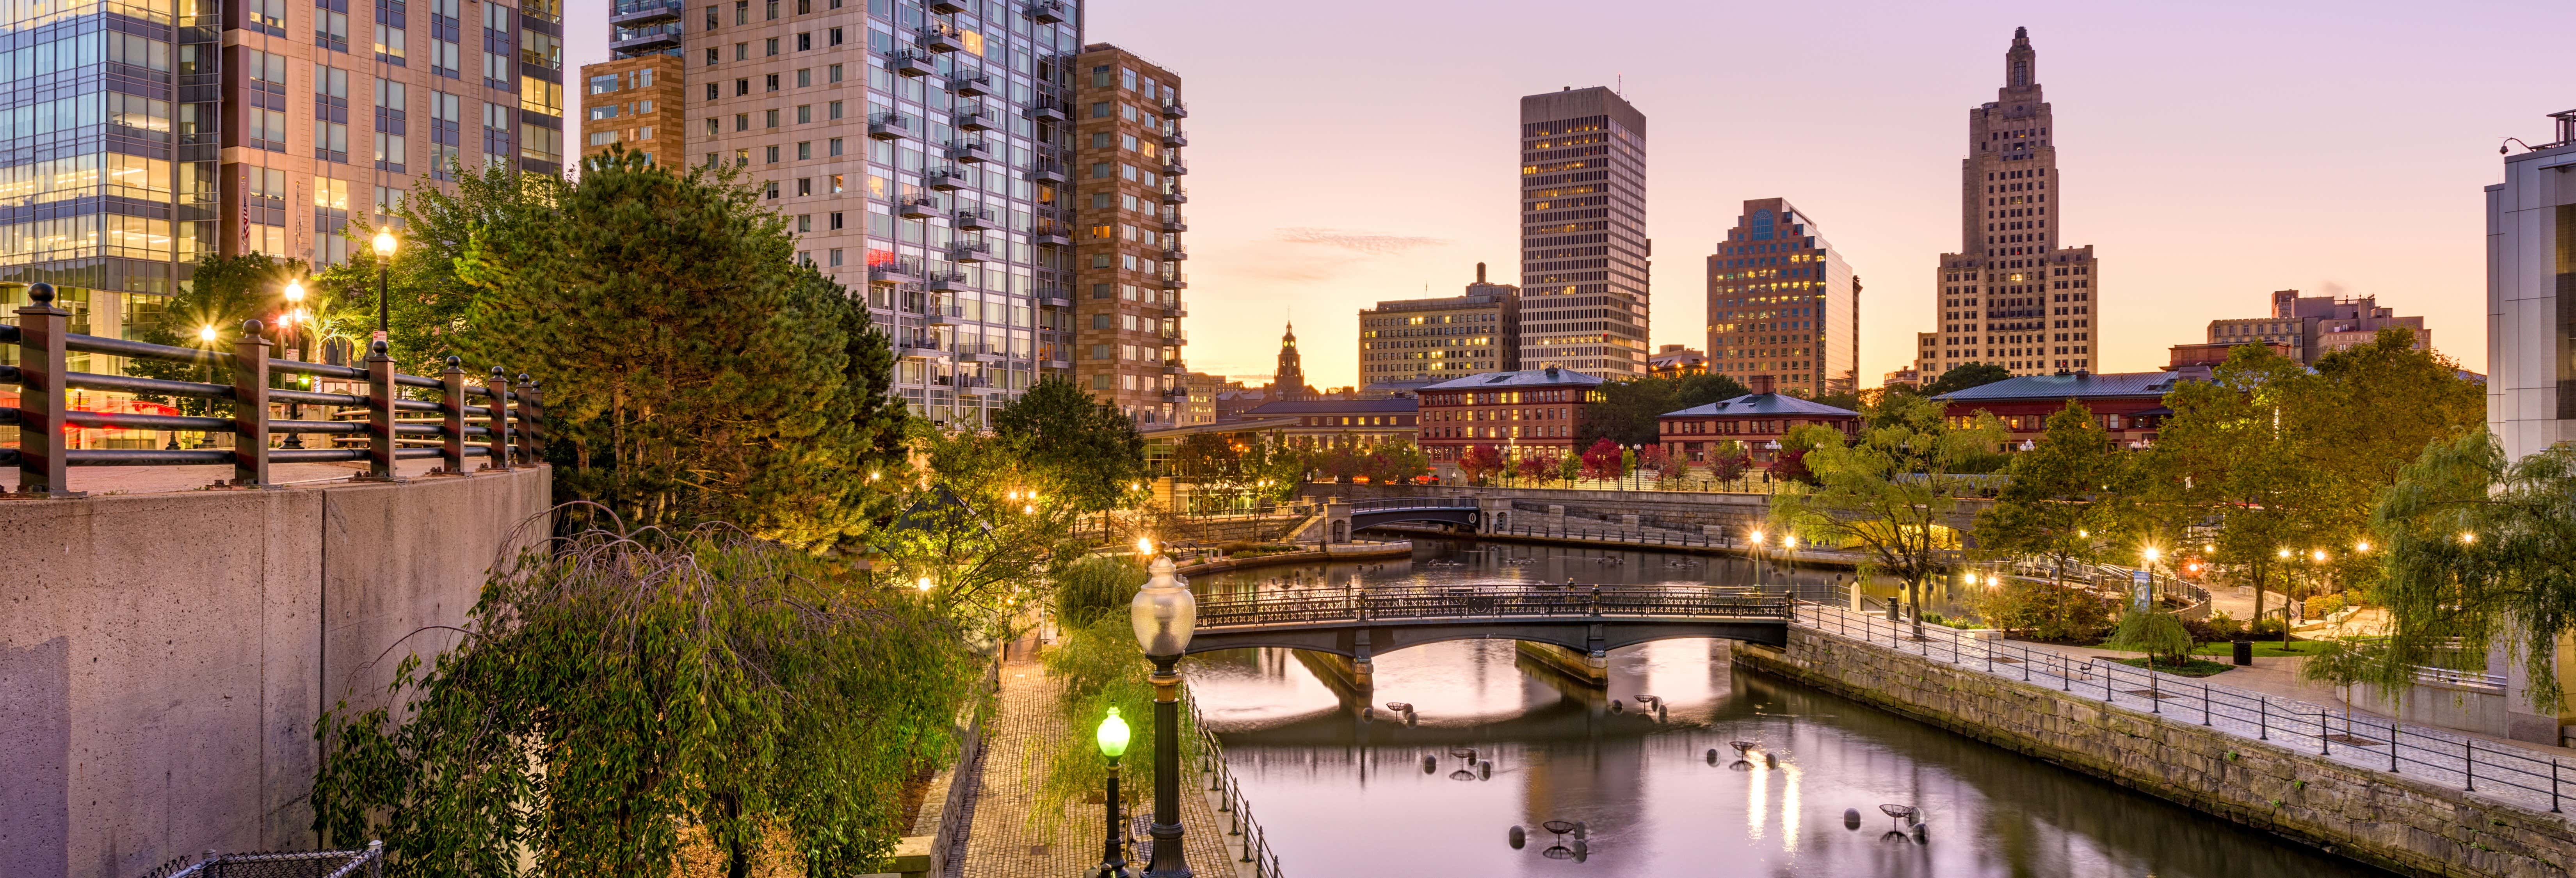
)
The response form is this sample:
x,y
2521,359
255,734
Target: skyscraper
x,y
1413,339
2014,297
1584,249
148,136
1782,303
919,152
1127,249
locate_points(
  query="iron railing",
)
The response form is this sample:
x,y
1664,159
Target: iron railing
x,y
369,862
1512,600
1239,823
43,414
2368,742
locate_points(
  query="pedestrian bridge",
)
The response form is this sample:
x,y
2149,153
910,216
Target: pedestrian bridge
x,y
1345,519
1358,623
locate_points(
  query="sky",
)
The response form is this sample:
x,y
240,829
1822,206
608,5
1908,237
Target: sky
x,y
2211,152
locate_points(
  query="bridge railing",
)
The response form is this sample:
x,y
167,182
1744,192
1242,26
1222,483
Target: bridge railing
x,y
1498,600
2524,776
1409,503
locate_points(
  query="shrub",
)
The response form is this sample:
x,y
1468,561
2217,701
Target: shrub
x,y
2044,611
1091,588
2271,628
2325,605
2153,631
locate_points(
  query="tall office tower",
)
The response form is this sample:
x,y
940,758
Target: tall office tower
x,y
166,135
1289,383
1782,303
2531,299
1452,337
1584,250
918,151
1127,252
2014,297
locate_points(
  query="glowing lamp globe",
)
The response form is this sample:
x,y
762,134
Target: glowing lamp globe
x,y
1113,735
1163,613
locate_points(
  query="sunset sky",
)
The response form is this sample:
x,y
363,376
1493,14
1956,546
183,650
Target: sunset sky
x,y
1347,152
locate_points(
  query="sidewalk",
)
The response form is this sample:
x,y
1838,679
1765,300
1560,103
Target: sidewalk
x,y
1003,844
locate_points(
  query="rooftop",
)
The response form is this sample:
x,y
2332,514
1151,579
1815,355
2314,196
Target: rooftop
x,y
1551,377
1763,404
2079,385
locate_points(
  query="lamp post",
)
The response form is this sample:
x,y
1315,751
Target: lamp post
x,y
294,320
1760,551
1163,615
1113,744
384,267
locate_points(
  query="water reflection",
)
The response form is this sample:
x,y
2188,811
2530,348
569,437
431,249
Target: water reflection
x,y
1343,795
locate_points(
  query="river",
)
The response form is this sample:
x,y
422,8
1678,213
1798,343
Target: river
x,y
1343,795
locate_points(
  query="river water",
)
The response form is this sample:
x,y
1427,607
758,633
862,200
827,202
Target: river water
x,y
1342,795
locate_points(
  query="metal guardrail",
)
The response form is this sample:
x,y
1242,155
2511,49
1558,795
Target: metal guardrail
x,y
1411,503
1488,601
2368,742
369,862
2463,679
43,414
1240,822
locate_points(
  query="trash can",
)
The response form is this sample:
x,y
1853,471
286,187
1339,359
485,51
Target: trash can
x,y
2244,652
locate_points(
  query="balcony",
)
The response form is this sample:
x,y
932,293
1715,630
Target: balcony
x,y
946,282
1048,11
944,178
1045,110
969,151
1181,393
973,219
1176,167
1175,194
648,39
1172,282
634,13
1175,309
1175,110
1047,171
911,63
946,7
1054,297
969,251
977,119
919,349
896,271
981,353
1050,234
1175,254
1174,223
1175,138
973,85
942,38
916,206
1059,365
976,385
890,126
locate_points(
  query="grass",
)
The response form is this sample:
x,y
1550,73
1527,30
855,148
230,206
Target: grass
x,y
2267,648
2197,667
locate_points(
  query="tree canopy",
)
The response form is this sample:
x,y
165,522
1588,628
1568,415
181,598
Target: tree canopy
x,y
1627,411
2483,549
2067,497
1964,376
1891,494
1086,448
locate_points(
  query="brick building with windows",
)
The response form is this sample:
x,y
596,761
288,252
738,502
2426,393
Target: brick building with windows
x,y
1127,248
2129,405
1758,420
1518,413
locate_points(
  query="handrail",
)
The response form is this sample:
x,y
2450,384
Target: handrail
x,y
1511,600
509,433
1256,843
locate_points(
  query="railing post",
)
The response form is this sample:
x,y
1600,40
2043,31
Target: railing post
x,y
499,385
43,467
531,413
250,408
380,415
451,413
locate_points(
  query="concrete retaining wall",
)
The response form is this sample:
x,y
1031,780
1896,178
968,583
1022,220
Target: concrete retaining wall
x,y
166,655
2392,821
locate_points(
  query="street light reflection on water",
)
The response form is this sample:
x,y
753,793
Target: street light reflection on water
x,y
1654,792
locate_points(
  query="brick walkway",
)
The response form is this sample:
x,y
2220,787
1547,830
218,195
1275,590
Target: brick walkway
x,y
1003,844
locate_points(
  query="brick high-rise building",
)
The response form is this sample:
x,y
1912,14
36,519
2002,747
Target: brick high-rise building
x,y
2014,296
1453,337
1127,250
919,152
1584,251
1782,303
266,126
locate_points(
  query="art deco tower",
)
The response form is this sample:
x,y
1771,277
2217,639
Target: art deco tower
x,y
2012,296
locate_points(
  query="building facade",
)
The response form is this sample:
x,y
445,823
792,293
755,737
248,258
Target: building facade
x,y
1412,339
1756,420
150,136
2015,296
2314,326
1339,423
1584,251
2130,406
636,101
1782,303
2531,297
1127,249
1674,361
1532,411
922,154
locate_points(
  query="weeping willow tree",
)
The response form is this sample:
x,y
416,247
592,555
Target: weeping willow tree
x,y
2480,548
1098,666
623,699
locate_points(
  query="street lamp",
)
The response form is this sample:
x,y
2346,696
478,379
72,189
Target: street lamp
x,y
1113,744
1761,579
294,320
1163,615
384,267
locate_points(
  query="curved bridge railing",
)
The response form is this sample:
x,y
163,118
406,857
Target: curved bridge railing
x,y
1409,504
1476,603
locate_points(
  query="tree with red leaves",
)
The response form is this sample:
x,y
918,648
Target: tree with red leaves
x,y
1481,462
1603,460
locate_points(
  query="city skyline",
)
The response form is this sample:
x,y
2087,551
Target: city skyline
x,y
2357,206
